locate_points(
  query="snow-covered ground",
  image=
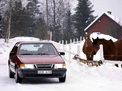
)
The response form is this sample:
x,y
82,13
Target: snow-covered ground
x,y
80,78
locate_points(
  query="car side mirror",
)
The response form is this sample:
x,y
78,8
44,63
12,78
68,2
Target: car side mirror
x,y
62,53
12,54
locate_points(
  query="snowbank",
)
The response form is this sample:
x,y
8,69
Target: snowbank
x,y
5,48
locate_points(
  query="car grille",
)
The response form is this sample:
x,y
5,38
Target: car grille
x,y
44,65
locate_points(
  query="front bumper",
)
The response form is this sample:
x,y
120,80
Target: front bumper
x,y
33,73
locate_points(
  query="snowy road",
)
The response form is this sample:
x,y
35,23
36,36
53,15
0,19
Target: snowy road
x,y
79,78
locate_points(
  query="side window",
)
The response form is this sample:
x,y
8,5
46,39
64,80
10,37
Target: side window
x,y
15,47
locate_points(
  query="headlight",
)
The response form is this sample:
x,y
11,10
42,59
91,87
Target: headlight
x,y
27,66
60,66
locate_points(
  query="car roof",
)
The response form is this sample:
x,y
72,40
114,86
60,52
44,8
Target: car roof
x,y
22,42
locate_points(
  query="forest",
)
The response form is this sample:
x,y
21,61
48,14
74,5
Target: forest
x,y
44,19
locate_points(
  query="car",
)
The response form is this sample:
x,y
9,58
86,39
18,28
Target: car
x,y
36,60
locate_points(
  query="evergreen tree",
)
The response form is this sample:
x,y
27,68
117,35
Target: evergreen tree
x,y
67,33
25,21
32,10
83,16
41,30
20,20
4,18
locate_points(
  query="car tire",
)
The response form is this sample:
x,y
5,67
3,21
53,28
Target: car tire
x,y
11,74
17,78
62,79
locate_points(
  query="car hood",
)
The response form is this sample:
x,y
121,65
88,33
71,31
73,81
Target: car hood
x,y
41,59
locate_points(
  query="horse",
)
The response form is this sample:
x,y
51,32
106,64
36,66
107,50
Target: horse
x,y
112,50
88,47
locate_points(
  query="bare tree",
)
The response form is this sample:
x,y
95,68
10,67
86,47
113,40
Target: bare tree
x,y
47,11
9,24
57,10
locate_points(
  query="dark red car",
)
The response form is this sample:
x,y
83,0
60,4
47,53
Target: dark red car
x,y
36,59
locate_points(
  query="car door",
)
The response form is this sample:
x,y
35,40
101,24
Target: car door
x,y
13,55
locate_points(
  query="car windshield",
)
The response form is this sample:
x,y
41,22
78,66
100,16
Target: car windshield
x,y
37,49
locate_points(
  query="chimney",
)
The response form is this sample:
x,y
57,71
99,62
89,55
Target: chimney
x,y
109,12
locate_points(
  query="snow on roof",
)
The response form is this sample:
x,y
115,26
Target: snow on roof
x,y
109,15
102,36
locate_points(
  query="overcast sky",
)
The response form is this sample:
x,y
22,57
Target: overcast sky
x,y
100,6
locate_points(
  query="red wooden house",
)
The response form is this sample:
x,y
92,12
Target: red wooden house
x,y
106,24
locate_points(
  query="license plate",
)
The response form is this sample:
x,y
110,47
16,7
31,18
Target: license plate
x,y
44,72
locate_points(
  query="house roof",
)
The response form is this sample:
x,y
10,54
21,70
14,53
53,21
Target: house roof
x,y
107,14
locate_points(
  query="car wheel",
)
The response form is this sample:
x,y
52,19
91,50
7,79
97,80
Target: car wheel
x,y
17,78
62,79
11,74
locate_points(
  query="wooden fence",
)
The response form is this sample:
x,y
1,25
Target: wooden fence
x,y
75,47
70,49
